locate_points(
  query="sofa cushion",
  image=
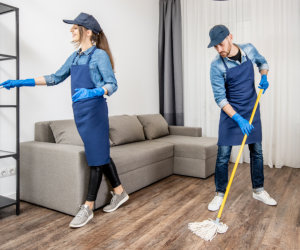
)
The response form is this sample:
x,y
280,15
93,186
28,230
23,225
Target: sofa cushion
x,y
192,147
125,129
154,125
43,132
65,132
139,154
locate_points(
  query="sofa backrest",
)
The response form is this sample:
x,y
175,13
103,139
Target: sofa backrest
x,y
122,129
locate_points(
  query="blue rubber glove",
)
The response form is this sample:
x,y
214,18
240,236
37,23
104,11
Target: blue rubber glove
x,y
264,84
245,126
83,93
18,83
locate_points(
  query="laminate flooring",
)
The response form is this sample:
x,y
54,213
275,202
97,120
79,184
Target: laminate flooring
x,y
157,217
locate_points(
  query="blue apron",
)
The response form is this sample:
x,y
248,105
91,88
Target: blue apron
x,y
91,117
241,94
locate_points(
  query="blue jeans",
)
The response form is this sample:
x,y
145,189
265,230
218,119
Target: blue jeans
x,y
256,167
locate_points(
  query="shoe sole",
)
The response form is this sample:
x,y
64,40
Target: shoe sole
x,y
213,210
120,203
83,224
257,198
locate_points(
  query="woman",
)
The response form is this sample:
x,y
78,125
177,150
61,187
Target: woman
x,y
92,77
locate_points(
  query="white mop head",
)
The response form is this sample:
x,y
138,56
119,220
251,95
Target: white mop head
x,y
208,229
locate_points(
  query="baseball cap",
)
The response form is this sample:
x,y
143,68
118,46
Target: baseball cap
x,y
217,34
87,21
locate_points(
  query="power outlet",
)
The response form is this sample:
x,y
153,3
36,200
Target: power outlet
x,y
12,171
7,171
3,172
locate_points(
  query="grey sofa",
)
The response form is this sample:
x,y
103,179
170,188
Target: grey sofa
x,y
54,171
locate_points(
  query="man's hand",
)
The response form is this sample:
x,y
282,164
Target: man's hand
x,y
245,126
264,84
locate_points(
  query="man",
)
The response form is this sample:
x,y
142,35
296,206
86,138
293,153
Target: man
x,y
232,80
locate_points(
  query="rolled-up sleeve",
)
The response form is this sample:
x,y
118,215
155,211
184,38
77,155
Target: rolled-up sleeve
x,y
106,71
61,74
259,60
218,85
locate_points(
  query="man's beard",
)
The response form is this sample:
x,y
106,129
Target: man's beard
x,y
225,53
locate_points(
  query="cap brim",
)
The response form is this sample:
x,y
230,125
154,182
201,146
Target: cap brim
x,y
211,44
69,21
215,42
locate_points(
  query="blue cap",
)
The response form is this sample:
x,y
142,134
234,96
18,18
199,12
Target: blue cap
x,y
217,34
87,21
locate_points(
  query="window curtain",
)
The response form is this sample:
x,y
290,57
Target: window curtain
x,y
272,26
170,62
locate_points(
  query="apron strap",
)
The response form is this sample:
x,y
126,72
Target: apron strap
x,y
90,55
224,63
247,57
75,57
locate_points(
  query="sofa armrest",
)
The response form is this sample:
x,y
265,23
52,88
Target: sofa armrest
x,y
186,131
53,175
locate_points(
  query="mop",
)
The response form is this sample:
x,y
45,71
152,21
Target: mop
x,y
208,229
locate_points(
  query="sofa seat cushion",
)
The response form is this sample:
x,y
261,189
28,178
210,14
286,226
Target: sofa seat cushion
x,y
192,147
138,154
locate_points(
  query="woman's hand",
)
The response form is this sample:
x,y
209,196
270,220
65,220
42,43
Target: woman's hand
x,y
83,93
17,83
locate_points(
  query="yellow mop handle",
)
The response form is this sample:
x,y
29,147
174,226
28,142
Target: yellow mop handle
x,y
238,157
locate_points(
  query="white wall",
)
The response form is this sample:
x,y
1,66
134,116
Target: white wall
x,y
131,27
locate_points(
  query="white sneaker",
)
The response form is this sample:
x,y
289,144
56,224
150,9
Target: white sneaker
x,y
215,204
265,198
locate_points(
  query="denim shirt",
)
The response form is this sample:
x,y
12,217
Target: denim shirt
x,y
218,70
100,69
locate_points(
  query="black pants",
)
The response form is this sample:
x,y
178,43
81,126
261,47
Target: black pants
x,y
110,172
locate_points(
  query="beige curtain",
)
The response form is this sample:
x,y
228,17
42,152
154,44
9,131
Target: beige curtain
x,y
272,26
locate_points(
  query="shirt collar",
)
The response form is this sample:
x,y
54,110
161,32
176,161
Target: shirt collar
x,y
88,51
242,53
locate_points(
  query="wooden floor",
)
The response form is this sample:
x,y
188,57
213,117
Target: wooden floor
x,y
156,217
